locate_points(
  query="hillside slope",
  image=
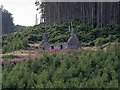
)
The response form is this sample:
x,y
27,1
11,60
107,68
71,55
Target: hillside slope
x,y
88,36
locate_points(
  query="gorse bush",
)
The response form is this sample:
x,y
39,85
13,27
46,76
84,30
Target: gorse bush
x,y
73,69
14,45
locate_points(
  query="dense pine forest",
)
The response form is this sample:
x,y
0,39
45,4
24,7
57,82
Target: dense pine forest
x,y
96,25
96,14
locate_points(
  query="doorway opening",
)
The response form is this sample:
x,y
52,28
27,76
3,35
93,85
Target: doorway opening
x,y
52,47
61,46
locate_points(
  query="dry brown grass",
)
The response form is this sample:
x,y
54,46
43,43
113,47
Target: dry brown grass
x,y
90,48
22,53
36,53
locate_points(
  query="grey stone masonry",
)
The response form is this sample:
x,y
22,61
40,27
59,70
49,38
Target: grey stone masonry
x,y
73,42
44,45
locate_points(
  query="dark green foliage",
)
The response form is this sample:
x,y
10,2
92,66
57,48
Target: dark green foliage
x,y
85,69
15,44
14,41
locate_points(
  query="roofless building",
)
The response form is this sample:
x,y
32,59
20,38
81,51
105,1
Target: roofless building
x,y
72,43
